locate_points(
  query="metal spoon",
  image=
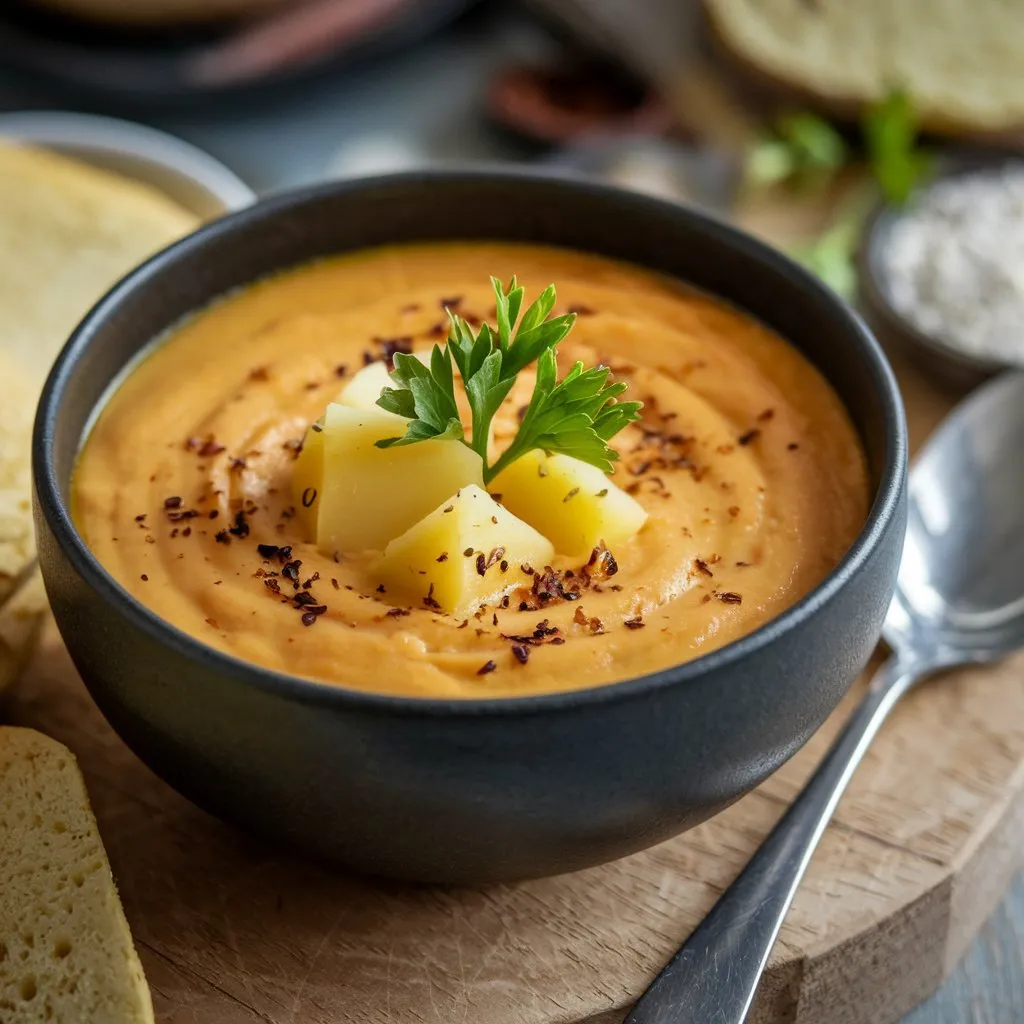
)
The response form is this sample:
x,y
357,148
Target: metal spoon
x,y
959,600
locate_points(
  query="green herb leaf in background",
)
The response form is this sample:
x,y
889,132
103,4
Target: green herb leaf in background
x,y
890,139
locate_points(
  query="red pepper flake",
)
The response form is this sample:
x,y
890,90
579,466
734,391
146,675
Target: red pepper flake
x,y
485,668
748,437
210,448
293,445
174,533
429,599
390,347
173,502
312,385
214,513
241,527
187,532
734,511
448,508
237,465
395,613
271,584
335,584
481,564
792,446
212,622
766,416
725,449
521,653
141,518
702,567
306,584
221,537
144,578
303,599
259,373
527,569
494,619
634,623
380,588
729,597
443,557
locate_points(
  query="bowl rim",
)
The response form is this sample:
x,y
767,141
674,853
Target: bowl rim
x,y
115,135
882,515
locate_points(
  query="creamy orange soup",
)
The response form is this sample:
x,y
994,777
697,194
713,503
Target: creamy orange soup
x,y
745,460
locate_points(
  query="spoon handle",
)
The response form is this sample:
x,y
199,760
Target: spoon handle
x,y
712,979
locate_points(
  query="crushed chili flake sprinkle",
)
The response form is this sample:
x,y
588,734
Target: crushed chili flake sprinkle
x,y
258,373
634,623
765,416
221,537
702,567
792,446
485,668
141,518
468,553
210,448
380,588
521,653
748,437
443,557
144,578
448,508
335,584
730,597
173,502
395,613
429,600
481,564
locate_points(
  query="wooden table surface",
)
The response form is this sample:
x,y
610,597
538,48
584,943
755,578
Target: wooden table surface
x,y
428,103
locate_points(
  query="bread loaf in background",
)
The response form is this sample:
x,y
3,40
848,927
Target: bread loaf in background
x,y
960,60
66,954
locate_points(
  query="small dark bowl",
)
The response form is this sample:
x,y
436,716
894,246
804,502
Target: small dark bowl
x,y
936,357
477,790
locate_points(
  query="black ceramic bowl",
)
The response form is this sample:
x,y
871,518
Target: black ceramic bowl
x,y
468,791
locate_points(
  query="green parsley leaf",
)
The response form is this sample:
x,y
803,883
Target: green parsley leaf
x,y
576,416
426,396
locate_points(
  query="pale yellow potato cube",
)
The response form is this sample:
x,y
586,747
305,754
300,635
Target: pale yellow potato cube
x,y
572,503
429,563
370,495
363,390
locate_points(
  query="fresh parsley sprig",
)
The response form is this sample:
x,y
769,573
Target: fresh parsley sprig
x,y
576,416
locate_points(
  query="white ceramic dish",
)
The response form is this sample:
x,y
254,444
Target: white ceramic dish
x,y
188,175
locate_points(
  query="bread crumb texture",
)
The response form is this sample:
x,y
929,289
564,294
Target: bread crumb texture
x,y
66,954
959,61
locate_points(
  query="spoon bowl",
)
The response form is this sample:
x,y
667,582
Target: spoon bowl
x,y
960,589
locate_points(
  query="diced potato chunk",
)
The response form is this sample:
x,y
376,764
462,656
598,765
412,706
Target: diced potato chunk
x,y
370,495
572,503
363,390
428,563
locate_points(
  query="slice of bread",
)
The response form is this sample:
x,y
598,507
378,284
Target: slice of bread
x,y
68,231
959,61
66,954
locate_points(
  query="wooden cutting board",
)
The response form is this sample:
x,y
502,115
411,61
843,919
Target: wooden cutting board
x,y
233,932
